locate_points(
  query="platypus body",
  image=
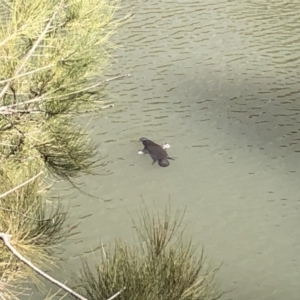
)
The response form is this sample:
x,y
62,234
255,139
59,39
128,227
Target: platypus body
x,y
157,153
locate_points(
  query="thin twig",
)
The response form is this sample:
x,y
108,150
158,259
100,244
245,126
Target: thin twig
x,y
26,73
23,215
97,84
22,184
31,51
13,35
117,294
3,108
11,111
6,239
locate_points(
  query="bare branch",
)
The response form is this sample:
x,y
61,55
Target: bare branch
x,y
117,294
12,35
22,184
6,239
97,84
26,73
4,109
11,111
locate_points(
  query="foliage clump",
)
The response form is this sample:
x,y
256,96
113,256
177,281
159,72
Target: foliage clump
x,y
51,53
164,266
36,228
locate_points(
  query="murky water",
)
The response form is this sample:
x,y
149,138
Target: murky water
x,y
219,81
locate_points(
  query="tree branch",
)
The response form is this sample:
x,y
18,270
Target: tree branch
x,y
117,294
6,239
8,108
97,84
26,73
23,215
20,185
31,51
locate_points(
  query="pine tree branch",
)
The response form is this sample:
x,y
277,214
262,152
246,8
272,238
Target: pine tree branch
x,y
20,185
8,109
23,215
6,240
97,84
12,35
117,294
26,73
31,51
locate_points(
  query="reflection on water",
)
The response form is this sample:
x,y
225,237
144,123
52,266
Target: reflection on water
x,y
219,82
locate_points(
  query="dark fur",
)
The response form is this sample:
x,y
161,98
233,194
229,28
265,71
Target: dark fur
x,y
156,151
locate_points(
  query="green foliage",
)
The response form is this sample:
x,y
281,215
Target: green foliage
x,y
50,55
35,229
164,266
66,157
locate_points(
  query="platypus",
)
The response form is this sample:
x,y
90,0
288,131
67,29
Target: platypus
x,y
156,152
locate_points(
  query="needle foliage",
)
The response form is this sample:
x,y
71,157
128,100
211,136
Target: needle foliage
x,y
163,266
52,54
